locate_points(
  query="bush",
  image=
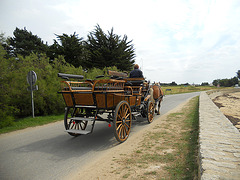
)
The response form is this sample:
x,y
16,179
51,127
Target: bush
x,y
15,100
6,118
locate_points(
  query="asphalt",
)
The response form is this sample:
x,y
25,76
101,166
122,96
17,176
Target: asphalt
x,y
219,143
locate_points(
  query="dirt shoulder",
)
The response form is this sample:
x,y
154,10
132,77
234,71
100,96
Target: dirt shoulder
x,y
228,101
122,161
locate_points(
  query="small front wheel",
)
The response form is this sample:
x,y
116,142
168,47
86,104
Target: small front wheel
x,y
150,111
122,121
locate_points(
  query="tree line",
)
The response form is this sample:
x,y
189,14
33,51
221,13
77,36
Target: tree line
x,y
227,82
99,50
68,54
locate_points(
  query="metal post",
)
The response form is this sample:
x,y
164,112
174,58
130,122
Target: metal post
x,y
31,84
32,104
31,79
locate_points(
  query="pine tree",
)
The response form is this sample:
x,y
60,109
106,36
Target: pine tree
x,y
71,47
109,50
25,43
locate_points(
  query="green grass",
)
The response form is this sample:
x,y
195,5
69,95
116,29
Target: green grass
x,y
31,122
187,167
172,146
186,89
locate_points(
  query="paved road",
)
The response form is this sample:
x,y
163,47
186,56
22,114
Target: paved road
x,y
47,152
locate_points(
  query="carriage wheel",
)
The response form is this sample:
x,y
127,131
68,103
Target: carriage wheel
x,y
72,124
122,121
150,111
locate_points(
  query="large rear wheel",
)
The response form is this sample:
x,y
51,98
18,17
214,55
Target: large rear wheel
x,y
122,121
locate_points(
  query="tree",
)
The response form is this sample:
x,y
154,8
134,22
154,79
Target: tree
x,y
226,82
238,74
109,50
204,84
71,47
216,82
173,83
25,43
3,40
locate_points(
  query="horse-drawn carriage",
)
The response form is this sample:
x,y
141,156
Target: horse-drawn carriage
x,y
117,101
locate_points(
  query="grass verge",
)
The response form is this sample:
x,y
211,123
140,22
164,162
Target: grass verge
x,y
186,89
31,122
169,151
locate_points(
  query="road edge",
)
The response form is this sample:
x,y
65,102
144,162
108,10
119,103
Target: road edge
x,y
219,143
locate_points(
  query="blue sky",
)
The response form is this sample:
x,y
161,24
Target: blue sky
x,y
179,40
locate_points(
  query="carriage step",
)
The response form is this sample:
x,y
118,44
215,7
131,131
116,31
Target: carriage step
x,y
136,113
82,119
77,131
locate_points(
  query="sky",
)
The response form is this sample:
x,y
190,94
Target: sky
x,y
185,41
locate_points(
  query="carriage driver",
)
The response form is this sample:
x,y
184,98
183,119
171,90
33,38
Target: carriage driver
x,y
136,73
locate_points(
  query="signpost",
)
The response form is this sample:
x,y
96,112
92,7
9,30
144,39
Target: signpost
x,y
31,79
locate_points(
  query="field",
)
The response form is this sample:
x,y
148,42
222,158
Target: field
x,y
185,89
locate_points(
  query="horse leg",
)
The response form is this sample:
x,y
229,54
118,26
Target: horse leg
x,y
159,104
155,107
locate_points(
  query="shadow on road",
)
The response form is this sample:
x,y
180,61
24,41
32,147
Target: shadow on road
x,y
64,146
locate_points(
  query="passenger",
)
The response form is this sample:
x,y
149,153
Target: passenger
x,y
136,73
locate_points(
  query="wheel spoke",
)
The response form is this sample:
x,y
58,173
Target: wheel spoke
x,y
127,115
117,122
119,132
119,116
126,131
127,125
123,132
125,111
120,125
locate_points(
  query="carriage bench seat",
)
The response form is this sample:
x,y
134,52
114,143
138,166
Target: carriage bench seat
x,y
135,83
107,88
81,88
96,88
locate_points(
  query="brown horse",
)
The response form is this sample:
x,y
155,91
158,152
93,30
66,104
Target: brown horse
x,y
156,96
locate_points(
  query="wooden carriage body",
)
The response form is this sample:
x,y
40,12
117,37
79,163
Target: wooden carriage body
x,y
87,100
102,94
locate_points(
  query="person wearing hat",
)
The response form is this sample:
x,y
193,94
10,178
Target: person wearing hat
x,y
136,73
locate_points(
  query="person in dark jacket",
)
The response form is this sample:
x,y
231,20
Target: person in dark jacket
x,y
136,73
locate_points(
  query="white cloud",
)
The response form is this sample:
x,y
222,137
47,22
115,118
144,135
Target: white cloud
x,y
182,41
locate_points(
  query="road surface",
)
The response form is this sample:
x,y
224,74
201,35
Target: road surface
x,y
47,152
